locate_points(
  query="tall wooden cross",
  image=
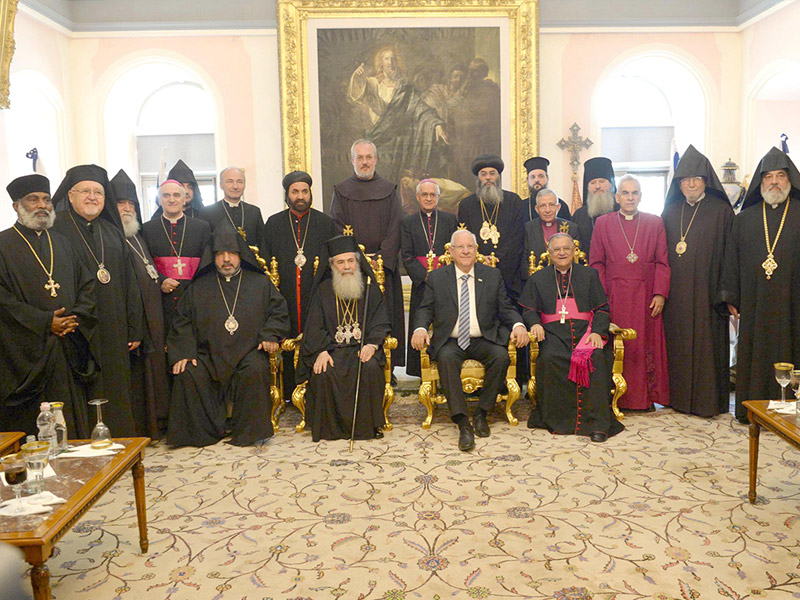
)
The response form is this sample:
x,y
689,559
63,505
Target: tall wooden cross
x,y
574,144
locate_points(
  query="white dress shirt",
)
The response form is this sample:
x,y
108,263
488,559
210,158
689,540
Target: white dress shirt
x,y
474,328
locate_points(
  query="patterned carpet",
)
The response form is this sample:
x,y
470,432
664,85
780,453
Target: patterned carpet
x,y
660,511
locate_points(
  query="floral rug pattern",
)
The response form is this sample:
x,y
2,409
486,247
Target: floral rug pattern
x,y
659,512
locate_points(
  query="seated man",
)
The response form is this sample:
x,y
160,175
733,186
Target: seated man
x,y
472,317
346,323
228,319
567,310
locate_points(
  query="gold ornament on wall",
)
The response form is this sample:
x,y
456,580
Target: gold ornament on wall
x,y
8,12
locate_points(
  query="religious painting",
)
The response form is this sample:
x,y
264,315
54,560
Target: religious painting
x,y
432,84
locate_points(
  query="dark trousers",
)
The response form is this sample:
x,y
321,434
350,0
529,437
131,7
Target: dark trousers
x,y
495,360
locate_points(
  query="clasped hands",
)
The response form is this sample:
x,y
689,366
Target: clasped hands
x,y
324,359
594,339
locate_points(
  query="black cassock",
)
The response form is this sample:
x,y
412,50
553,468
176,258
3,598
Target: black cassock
x,y
244,215
37,364
280,234
119,313
769,327
229,366
157,233
535,242
416,232
695,318
330,396
564,406
149,383
509,223
529,210
372,209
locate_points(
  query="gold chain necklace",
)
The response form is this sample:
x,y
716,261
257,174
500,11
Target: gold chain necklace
x,y
178,263
489,226
680,247
428,238
103,275
348,327
300,258
231,324
151,270
632,257
240,229
770,264
51,286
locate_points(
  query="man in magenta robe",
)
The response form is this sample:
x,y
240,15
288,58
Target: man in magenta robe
x,y
629,250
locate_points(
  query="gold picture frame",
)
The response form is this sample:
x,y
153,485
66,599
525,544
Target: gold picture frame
x,y
8,12
520,74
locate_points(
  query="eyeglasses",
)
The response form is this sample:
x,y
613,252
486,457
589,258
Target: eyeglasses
x,y
86,193
692,179
467,247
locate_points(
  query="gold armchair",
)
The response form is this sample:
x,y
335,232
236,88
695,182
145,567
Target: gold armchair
x,y
620,335
472,371
389,344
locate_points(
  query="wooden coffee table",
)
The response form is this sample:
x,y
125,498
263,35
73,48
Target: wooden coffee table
x,y
37,535
9,442
786,427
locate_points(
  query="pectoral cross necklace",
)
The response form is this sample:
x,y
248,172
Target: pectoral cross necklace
x,y
632,256
51,286
103,274
770,264
300,258
489,229
178,263
563,312
430,237
231,324
348,327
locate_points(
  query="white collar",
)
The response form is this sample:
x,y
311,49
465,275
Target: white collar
x,y
471,272
232,204
173,221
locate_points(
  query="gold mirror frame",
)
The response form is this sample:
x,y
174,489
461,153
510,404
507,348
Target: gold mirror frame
x,y
8,11
523,85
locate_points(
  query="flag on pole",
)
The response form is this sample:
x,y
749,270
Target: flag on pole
x,y
38,164
673,162
576,194
784,143
162,167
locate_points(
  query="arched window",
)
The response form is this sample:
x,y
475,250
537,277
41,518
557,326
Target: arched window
x,y
641,107
160,109
775,109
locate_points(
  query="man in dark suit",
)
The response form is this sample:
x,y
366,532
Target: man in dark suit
x,y
539,230
472,317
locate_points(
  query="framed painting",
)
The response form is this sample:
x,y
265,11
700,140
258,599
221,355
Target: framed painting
x,y
433,83
8,11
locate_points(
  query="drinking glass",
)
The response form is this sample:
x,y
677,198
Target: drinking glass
x,y
36,455
16,474
783,375
101,436
795,383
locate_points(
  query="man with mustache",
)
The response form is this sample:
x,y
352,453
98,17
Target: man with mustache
x,y
47,313
538,180
228,319
494,215
88,216
149,385
370,205
346,325
598,197
760,281
295,237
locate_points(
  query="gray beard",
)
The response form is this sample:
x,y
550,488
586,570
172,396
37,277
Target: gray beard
x,y
348,287
599,203
490,193
130,225
771,197
34,223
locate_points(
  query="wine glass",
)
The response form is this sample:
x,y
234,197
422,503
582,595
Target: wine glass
x,y
36,455
783,375
101,436
16,474
795,383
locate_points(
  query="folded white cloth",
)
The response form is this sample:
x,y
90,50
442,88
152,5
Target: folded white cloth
x,y
784,408
41,499
48,472
27,509
86,451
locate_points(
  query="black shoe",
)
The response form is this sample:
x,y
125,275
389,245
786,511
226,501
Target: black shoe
x,y
466,437
393,381
598,437
480,424
378,433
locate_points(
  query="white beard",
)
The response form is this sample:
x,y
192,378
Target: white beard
x,y
348,287
599,203
34,223
130,225
490,193
771,197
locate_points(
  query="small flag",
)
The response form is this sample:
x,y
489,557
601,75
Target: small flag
x,y
38,164
673,163
576,194
784,143
162,167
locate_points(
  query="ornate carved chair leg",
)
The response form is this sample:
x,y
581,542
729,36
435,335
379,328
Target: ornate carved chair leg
x,y
277,407
513,396
299,400
426,399
620,387
388,400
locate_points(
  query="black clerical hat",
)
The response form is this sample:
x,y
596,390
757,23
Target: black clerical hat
x,y
226,238
28,184
694,164
537,162
181,172
294,177
487,160
124,189
774,160
598,167
88,173
341,244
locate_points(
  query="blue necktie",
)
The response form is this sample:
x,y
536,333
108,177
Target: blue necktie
x,y
463,314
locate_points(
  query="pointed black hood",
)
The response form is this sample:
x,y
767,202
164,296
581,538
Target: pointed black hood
x,y
773,160
88,173
694,164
